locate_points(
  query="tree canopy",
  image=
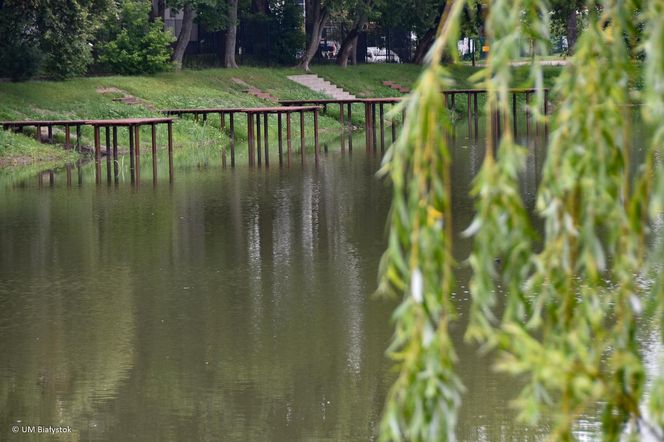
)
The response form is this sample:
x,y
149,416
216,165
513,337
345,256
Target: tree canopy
x,y
66,38
53,36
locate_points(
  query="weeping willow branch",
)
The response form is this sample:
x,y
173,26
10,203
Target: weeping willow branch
x,y
573,310
422,405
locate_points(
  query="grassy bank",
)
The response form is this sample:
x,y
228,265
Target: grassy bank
x,y
367,80
19,151
102,97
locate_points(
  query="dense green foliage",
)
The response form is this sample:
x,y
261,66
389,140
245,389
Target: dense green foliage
x,y
287,36
52,37
20,56
65,32
60,39
564,311
135,45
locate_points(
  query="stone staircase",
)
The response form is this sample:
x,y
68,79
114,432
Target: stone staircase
x,y
317,84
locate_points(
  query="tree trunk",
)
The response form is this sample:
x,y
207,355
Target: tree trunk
x,y
350,41
424,45
353,53
162,9
220,39
260,7
231,35
158,10
318,23
184,36
310,8
571,25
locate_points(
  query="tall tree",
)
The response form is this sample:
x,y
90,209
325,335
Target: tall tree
x,y
565,15
261,7
69,29
230,40
184,36
217,15
212,13
362,8
20,56
317,14
419,16
286,34
424,44
53,37
158,10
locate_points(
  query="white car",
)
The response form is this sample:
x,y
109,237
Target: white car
x,y
378,55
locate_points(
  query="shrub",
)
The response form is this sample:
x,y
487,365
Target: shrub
x,y
136,45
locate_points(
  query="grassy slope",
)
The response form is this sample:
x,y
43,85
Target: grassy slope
x,y
80,98
19,150
367,80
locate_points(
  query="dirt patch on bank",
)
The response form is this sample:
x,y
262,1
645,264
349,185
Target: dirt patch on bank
x,y
16,161
126,98
252,90
110,90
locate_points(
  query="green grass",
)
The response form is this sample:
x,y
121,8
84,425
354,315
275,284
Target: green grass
x,y
81,99
367,80
19,150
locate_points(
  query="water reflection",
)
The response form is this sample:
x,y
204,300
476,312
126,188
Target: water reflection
x,y
230,305
234,304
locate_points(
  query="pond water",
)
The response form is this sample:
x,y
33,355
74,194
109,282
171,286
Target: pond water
x,y
234,304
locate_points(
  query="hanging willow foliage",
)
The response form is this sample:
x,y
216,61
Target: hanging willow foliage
x,y
576,301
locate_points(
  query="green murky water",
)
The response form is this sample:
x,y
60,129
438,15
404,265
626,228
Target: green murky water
x,y
233,304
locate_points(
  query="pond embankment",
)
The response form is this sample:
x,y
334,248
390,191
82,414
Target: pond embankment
x,y
145,96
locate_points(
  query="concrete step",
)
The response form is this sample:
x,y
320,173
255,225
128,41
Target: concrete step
x,y
317,84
